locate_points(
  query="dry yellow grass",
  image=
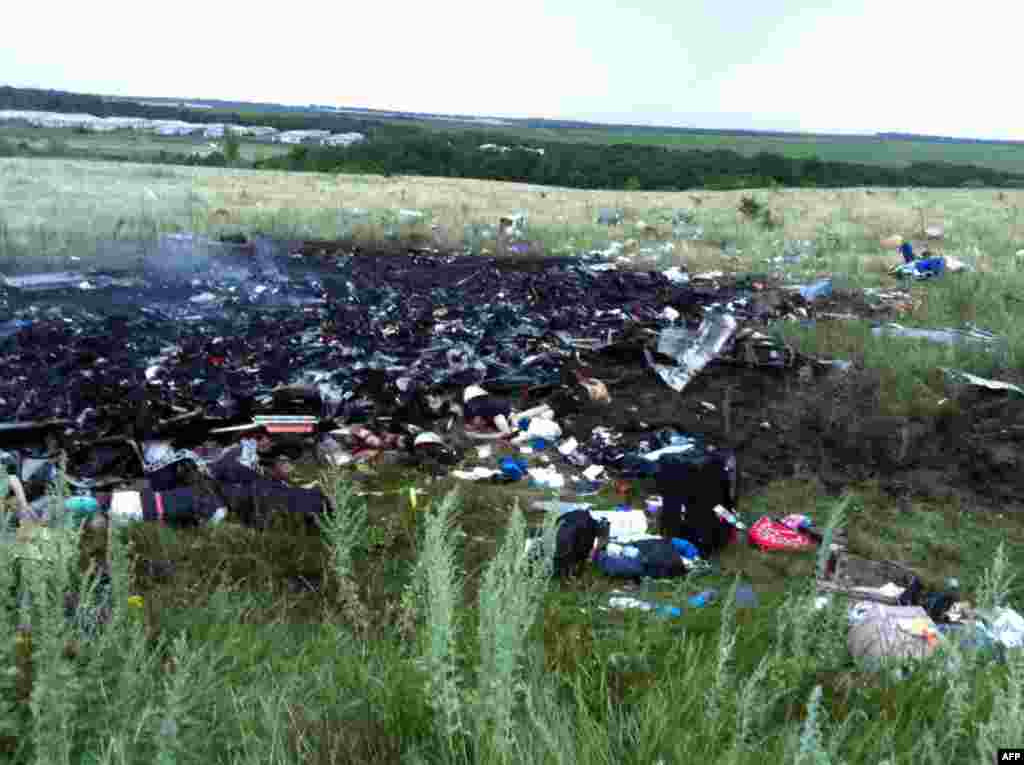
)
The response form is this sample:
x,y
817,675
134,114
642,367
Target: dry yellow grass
x,y
53,199
32,184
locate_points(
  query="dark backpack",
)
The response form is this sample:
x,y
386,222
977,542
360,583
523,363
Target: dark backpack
x,y
574,540
698,483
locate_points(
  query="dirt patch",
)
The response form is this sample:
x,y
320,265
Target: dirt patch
x,y
830,426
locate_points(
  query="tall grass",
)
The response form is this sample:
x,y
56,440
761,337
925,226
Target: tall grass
x,y
724,686
511,596
442,594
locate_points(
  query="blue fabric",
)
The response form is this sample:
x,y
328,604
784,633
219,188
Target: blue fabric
x,y
512,468
930,267
923,269
907,251
686,549
612,565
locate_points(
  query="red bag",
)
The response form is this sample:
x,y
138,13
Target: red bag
x,y
772,535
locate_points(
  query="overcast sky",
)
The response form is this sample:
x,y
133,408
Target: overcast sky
x,y
922,66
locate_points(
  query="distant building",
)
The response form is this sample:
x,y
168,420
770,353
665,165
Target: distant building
x,y
342,139
301,136
504,149
106,124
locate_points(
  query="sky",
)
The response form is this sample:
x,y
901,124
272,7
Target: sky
x,y
847,66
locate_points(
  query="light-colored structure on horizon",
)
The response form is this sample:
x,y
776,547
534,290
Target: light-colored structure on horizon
x,y
176,127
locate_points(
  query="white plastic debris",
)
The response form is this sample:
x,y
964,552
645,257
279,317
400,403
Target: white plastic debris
x,y
956,265
154,452
623,523
1008,627
568,446
890,590
948,336
617,550
623,603
593,472
548,478
670,313
476,474
676,275
982,382
543,428
407,216
679,445
692,351
428,438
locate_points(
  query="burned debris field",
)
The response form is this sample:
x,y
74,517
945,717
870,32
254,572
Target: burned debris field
x,y
204,335
289,453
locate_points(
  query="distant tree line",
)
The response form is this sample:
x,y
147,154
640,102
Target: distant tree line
x,y
618,166
405,149
28,99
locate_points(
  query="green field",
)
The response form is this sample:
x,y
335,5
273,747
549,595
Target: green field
x,y
866,150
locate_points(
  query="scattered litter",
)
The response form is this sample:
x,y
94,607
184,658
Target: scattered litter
x,y
1007,627
815,291
865,580
676,275
557,506
568,446
890,591
410,216
476,474
925,268
837,365
623,603
955,265
692,351
548,478
949,336
888,632
796,522
623,524
610,217
41,282
768,534
981,382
